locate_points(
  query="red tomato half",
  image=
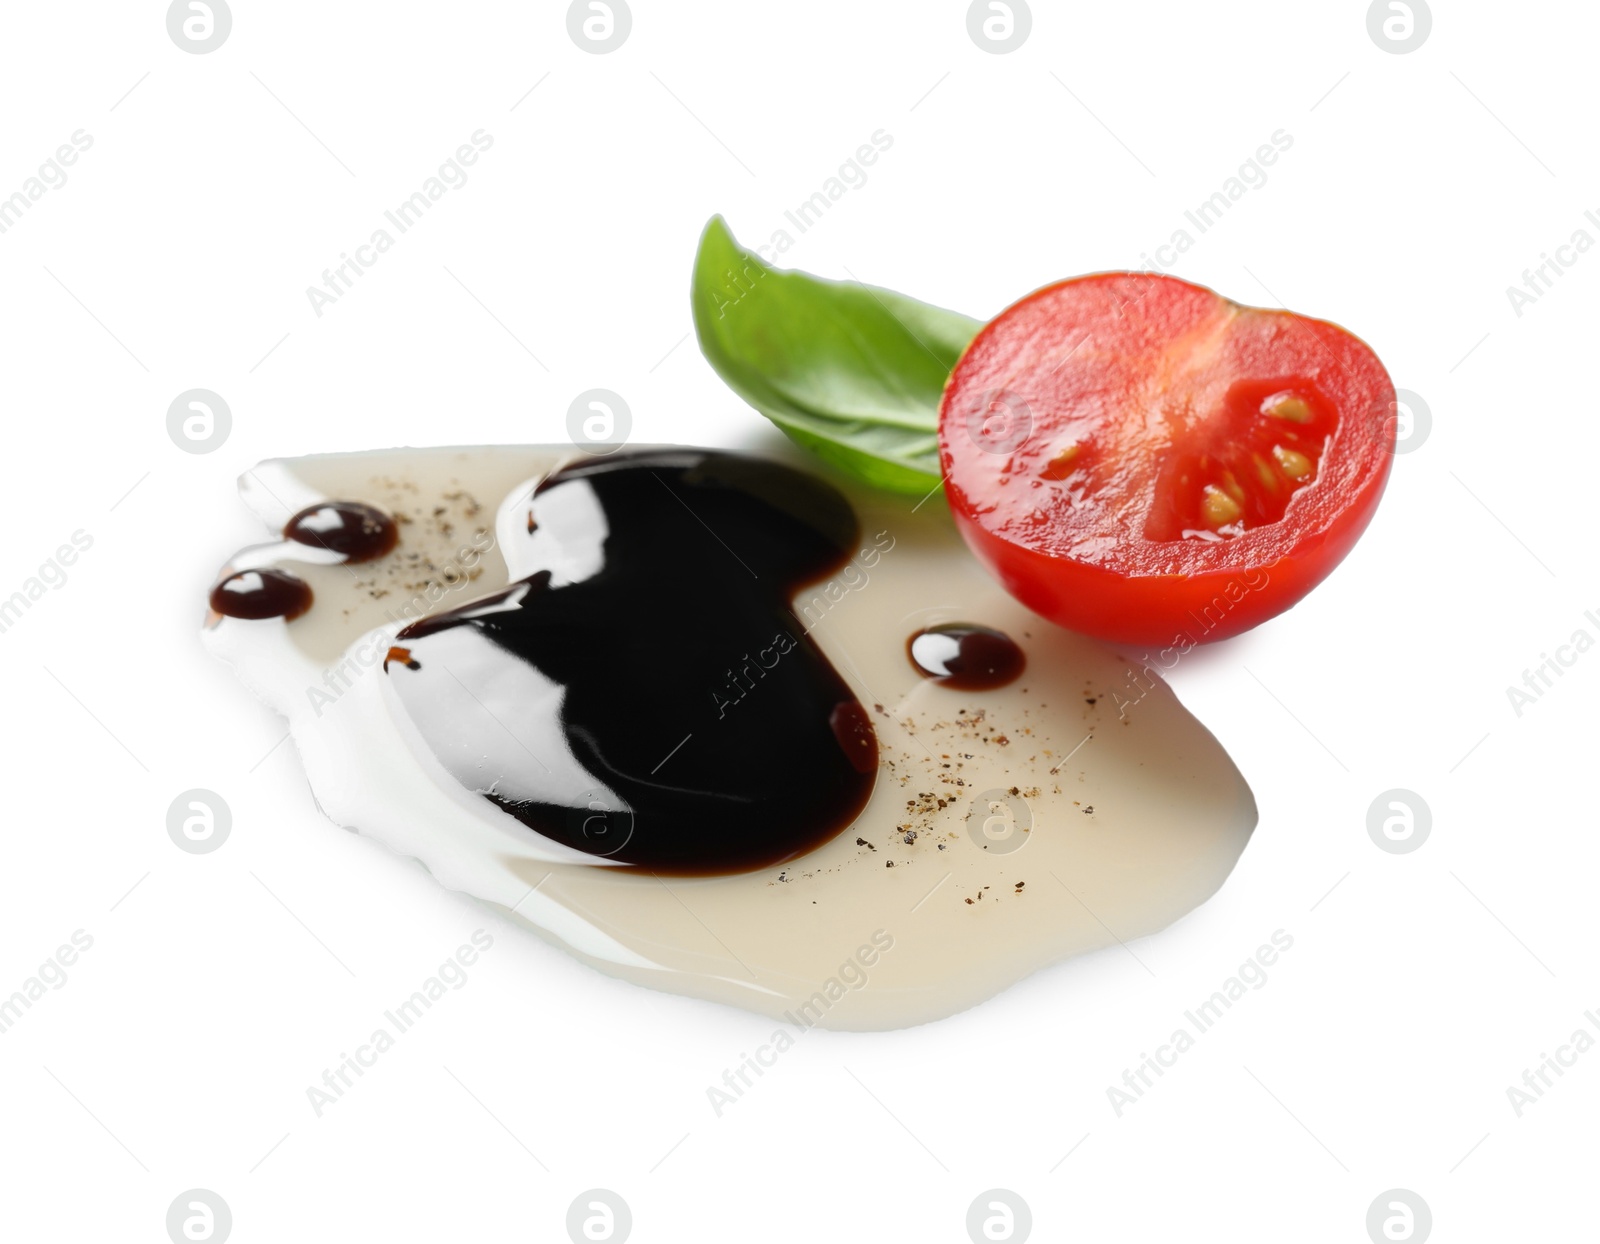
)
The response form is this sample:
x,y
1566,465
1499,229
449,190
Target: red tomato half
x,y
1140,459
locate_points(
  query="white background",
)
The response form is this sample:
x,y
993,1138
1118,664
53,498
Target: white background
x,y
177,255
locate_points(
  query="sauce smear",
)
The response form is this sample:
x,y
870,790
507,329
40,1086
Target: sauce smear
x,y
648,694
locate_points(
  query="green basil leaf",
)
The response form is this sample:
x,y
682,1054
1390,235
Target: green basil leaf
x,y
850,372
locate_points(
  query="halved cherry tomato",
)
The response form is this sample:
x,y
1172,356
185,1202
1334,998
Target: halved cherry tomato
x,y
1140,459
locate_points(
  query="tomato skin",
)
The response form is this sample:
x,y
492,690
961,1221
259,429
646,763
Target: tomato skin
x,y
1089,561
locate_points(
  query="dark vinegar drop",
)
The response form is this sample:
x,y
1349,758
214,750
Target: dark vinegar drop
x,y
261,594
965,656
356,531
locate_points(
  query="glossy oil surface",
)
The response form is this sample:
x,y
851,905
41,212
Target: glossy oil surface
x,y
1007,828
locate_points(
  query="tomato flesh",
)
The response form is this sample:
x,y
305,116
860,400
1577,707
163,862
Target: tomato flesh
x,y
1138,458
